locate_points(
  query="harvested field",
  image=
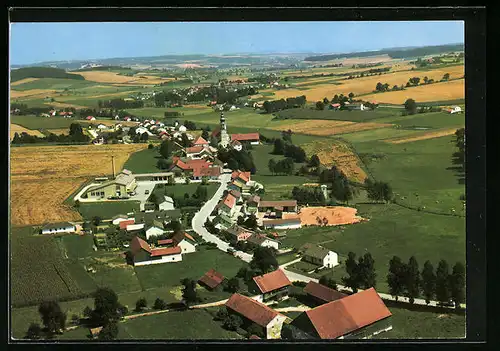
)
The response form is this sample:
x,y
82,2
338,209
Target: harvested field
x,y
43,177
334,215
338,154
325,128
424,136
22,81
64,131
15,128
63,105
425,93
367,85
32,93
113,77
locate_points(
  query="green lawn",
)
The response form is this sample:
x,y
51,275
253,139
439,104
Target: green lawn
x,y
431,120
106,210
354,116
34,122
193,266
407,324
54,83
284,258
179,190
143,161
77,246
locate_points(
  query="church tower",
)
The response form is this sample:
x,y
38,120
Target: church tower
x,y
224,137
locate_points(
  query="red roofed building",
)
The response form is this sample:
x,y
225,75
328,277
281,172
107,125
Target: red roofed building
x,y
273,285
358,316
322,294
165,242
254,312
124,224
209,172
200,142
252,138
142,254
212,279
185,241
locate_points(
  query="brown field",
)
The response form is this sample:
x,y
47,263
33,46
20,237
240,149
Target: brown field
x,y
367,84
15,128
337,154
424,136
335,215
43,177
113,77
32,93
434,92
59,131
22,81
63,105
322,127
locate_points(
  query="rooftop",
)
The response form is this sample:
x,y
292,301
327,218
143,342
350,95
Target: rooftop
x,y
283,203
316,251
212,278
272,281
253,310
165,251
58,225
323,292
245,137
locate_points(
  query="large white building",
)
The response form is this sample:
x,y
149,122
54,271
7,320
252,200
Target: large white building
x,y
60,227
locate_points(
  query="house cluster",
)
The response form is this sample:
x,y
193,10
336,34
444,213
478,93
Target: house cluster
x,y
349,106
454,109
335,315
237,233
166,251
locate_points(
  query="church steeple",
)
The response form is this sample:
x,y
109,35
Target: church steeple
x,y
224,137
222,122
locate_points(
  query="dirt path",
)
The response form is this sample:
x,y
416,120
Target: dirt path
x,y
425,136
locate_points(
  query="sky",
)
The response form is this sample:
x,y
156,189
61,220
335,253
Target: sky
x,y
38,42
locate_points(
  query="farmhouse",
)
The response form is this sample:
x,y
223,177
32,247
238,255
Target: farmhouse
x,y
321,294
134,227
154,229
454,109
121,186
254,312
334,106
211,279
282,223
358,316
165,216
125,223
211,173
252,204
143,254
200,142
90,118
118,218
360,107
321,256
252,138
237,195
284,206
227,208
272,286
256,240
60,227
185,241
238,233
198,152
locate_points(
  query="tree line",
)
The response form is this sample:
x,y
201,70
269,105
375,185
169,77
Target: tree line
x,y
459,156
282,104
75,136
120,104
238,160
341,189
307,195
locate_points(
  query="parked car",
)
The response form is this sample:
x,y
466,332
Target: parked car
x,y
146,192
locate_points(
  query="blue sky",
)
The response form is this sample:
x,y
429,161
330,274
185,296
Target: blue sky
x,y
38,42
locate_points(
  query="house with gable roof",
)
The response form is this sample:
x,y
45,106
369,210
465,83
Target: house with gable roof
x,y
211,279
321,256
272,286
143,254
185,241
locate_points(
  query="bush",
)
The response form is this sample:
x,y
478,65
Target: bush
x,y
150,146
140,304
159,304
299,284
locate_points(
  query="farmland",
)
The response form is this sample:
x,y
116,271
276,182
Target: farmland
x,y
15,128
43,177
353,116
326,128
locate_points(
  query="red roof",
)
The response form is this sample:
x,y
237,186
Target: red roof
x,y
200,141
212,278
282,203
90,117
253,310
348,314
165,242
272,281
322,292
206,171
194,149
177,238
254,337
229,200
124,224
245,176
137,244
165,251
244,137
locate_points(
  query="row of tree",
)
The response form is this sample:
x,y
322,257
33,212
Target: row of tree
x,y
282,104
305,195
75,136
378,191
361,273
341,189
242,160
460,144
406,279
121,104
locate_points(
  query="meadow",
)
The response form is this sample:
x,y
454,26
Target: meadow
x,y
352,116
106,210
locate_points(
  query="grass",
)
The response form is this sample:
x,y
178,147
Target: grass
x,y
106,210
54,83
77,246
353,116
407,324
180,189
143,161
193,266
302,267
431,120
34,122
284,258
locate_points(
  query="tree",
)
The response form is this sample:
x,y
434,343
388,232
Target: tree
x,y
213,141
151,146
426,80
379,191
53,318
366,271
251,222
279,147
189,293
320,105
233,285
446,76
314,161
410,106
87,312
272,166
412,279
160,100
109,331
442,282
329,282
351,267
201,193
457,284
428,281
395,278
166,148
163,163
140,304
255,329
351,95
34,332
232,322
325,101
221,314
106,306
144,136
264,259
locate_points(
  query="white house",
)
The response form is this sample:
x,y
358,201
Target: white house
x,y
319,255
291,223
360,107
119,218
143,254
156,228
132,227
237,145
454,109
102,127
182,129
262,240
60,227
185,241
166,205
141,130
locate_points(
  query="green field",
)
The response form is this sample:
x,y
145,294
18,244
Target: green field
x,y
431,120
407,324
143,161
353,116
77,246
106,210
34,122
54,83
179,190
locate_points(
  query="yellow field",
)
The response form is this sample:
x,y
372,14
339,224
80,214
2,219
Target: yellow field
x,y
367,84
63,105
32,93
22,81
434,92
337,154
15,128
324,128
113,77
64,131
43,177
424,136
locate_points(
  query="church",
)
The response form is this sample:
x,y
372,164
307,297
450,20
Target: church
x,y
233,140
